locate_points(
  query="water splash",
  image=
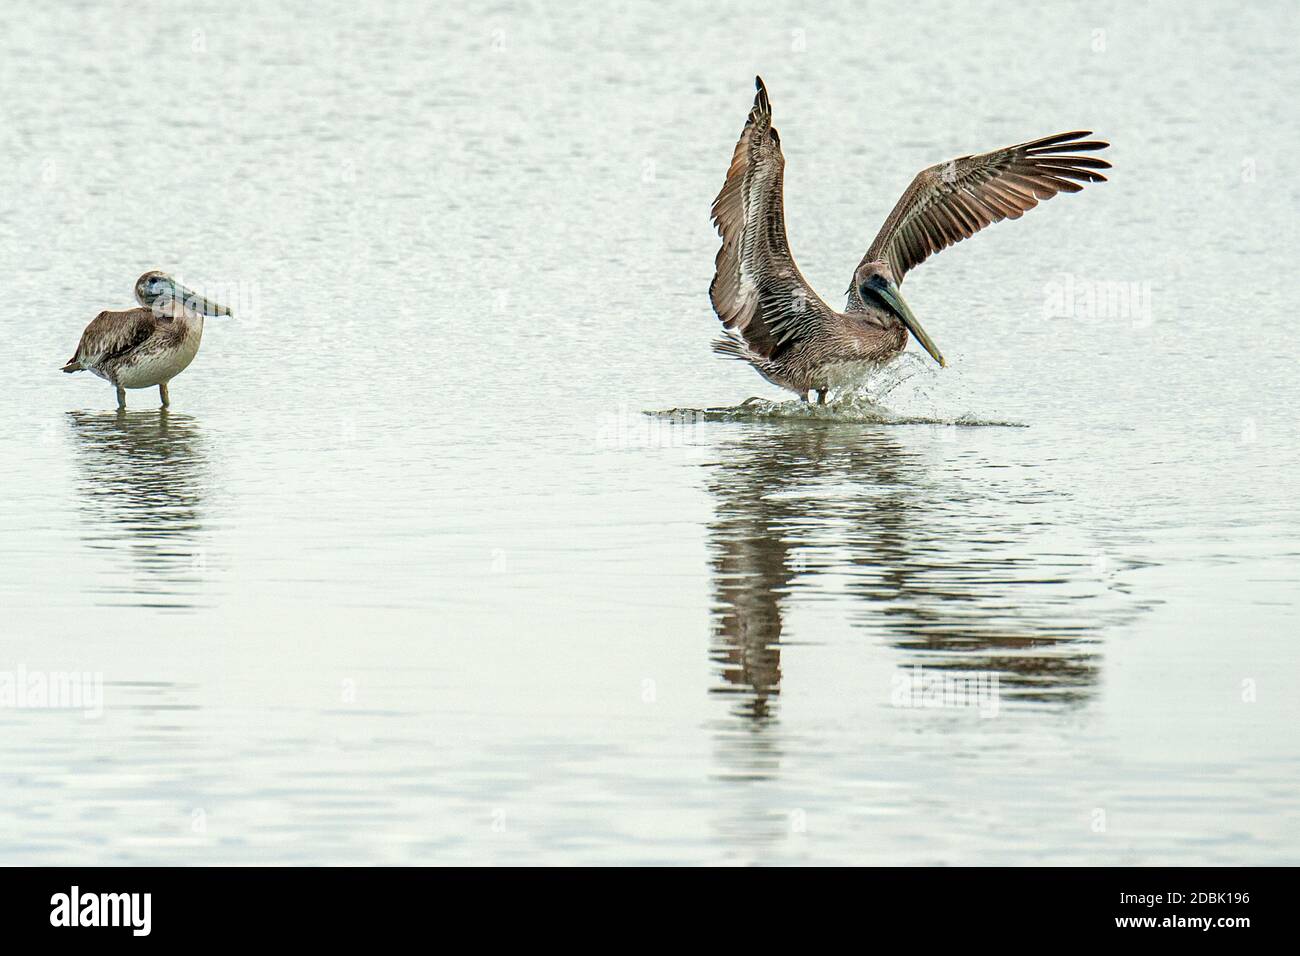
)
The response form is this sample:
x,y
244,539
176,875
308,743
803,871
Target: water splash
x,y
856,411
907,382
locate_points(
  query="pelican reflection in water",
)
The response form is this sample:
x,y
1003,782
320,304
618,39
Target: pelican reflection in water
x,y
911,561
148,346
779,325
142,481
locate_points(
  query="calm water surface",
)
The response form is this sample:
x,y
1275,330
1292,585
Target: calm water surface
x,y
406,575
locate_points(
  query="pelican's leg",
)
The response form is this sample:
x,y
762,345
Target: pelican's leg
x,y
803,397
121,397
821,396
162,391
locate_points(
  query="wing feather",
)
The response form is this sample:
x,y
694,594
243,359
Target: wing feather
x,y
111,335
952,201
757,289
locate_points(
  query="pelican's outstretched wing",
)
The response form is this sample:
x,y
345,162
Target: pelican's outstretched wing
x,y
757,289
954,200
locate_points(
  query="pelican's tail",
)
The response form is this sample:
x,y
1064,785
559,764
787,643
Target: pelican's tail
x,y
732,346
74,365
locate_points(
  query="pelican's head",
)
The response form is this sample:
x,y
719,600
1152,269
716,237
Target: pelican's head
x,y
876,287
155,289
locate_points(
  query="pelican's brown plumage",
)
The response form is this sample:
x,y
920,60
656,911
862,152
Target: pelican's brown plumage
x,y
148,346
778,324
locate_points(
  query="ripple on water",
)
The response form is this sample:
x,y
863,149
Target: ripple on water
x,y
853,410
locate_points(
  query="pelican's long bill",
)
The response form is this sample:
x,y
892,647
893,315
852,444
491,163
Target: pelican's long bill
x,y
888,295
197,303
158,291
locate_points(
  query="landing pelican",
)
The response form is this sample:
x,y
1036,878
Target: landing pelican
x,y
779,325
148,346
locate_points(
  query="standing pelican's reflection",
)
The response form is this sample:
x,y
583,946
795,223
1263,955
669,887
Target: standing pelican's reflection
x,y
951,575
142,483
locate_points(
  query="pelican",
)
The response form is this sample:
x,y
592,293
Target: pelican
x,y
779,325
148,346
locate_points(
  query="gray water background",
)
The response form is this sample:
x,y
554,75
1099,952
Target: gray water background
x,y
406,575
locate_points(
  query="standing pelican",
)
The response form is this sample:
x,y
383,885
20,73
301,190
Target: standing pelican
x,y
148,346
779,325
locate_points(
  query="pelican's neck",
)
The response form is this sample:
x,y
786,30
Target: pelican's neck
x,y
872,317
176,311
193,323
